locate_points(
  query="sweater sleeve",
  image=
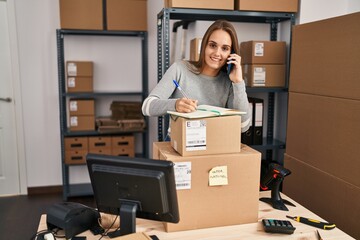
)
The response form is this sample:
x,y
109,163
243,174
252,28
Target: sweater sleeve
x,y
238,99
159,102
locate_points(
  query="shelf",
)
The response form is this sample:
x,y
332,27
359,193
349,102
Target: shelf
x,y
96,133
99,94
74,190
230,15
265,89
102,33
269,144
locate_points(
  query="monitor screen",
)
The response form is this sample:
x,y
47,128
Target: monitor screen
x,y
133,187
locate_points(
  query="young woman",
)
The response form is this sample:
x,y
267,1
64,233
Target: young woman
x,y
205,81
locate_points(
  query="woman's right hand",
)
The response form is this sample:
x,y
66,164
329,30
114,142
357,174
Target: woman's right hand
x,y
186,105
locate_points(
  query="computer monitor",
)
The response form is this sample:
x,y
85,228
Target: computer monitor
x,y
133,187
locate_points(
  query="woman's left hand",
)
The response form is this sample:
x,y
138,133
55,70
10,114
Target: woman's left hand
x,y
236,75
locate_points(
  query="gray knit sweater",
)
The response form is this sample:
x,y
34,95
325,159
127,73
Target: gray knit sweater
x,y
217,91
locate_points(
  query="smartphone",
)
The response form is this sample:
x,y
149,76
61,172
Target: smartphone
x,y
230,66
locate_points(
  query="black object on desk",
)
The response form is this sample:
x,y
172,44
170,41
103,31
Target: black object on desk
x,y
73,218
313,222
274,177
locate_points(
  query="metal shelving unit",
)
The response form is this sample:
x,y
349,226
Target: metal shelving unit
x,y
74,190
272,18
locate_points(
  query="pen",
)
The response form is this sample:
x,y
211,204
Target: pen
x,y
178,87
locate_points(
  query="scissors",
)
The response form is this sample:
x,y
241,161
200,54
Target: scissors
x,y
319,236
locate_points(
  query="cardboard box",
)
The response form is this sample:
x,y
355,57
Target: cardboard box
x,y
205,4
204,206
263,52
75,157
82,123
123,146
79,107
267,5
76,143
195,47
79,68
81,14
106,151
264,75
79,84
194,137
331,198
325,62
129,15
99,143
324,132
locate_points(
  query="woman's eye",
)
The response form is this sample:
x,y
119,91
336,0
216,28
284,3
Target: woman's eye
x,y
212,45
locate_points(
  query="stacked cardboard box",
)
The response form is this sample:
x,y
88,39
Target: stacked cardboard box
x,y
202,4
128,15
214,190
263,63
322,148
76,148
79,77
267,5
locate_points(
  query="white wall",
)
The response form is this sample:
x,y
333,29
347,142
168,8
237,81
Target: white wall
x,y
37,21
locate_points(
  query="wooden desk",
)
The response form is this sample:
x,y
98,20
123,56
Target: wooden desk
x,y
245,231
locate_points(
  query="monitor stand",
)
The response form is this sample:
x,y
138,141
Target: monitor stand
x,y
127,219
276,201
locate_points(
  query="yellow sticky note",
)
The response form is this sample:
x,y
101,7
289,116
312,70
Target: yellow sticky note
x,y
218,176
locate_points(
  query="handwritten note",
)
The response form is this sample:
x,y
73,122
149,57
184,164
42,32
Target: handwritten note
x,y
218,176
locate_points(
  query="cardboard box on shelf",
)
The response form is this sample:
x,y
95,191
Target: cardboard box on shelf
x,y
264,52
323,132
195,45
264,75
76,143
79,107
129,15
123,146
214,135
328,64
79,68
203,4
332,198
99,142
233,198
267,5
81,14
79,84
82,123
75,157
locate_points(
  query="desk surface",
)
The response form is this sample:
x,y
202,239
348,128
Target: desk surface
x,y
245,231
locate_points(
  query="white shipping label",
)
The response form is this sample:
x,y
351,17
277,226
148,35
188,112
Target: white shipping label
x,y
259,50
71,82
258,115
195,135
73,106
71,69
259,76
182,175
74,121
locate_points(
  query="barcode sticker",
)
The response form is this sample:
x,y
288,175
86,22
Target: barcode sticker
x,y
182,175
195,135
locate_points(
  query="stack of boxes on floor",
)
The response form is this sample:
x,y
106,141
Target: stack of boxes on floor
x,y
217,180
322,148
79,79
